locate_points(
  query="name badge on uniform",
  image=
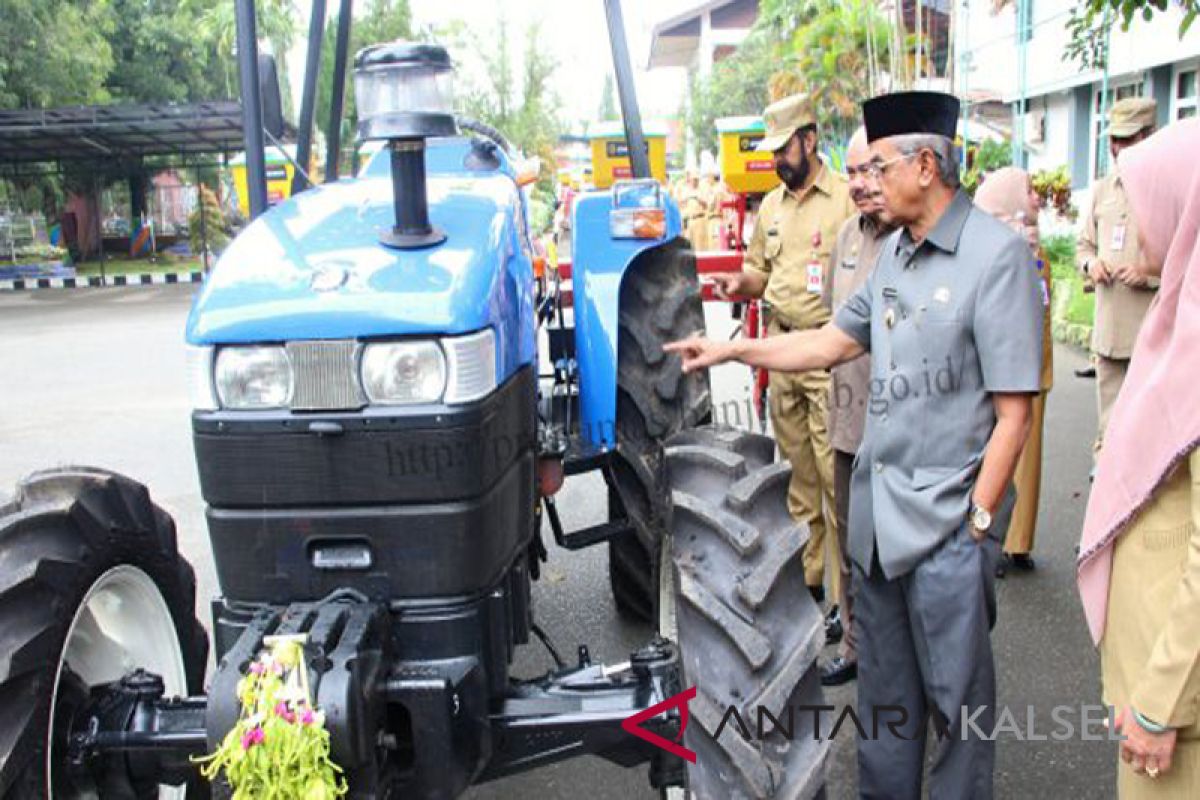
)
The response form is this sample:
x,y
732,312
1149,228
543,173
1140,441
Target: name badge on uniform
x,y
816,277
815,269
1118,237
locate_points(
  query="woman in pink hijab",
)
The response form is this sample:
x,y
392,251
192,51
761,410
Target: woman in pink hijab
x,y
1139,561
1007,194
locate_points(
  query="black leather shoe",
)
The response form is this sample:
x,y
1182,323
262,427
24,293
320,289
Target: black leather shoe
x,y
1022,562
833,626
1086,372
1002,566
839,671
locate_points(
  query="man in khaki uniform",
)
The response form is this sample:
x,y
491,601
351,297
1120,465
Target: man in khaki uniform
x,y
854,255
711,189
694,208
1109,255
788,264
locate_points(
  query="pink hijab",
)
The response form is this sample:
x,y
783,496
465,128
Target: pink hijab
x,y
1155,422
1006,196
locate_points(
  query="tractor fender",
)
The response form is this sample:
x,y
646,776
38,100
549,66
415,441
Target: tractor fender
x,y
599,266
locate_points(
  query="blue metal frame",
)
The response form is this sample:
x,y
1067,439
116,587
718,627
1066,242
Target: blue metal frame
x,y
598,267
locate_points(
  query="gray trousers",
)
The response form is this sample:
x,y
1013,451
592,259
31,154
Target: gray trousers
x,y
843,468
924,645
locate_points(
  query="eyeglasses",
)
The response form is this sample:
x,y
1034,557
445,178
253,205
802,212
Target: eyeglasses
x,y
876,169
866,171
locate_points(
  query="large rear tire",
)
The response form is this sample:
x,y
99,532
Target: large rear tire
x,y
748,630
660,302
92,586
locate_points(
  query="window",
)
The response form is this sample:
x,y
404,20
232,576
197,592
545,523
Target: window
x,y
1100,157
1184,98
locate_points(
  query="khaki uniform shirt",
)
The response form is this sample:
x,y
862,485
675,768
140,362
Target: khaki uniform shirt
x,y
781,246
691,203
1148,653
854,255
1109,235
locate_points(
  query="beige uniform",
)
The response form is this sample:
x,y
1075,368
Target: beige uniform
x,y
1028,476
694,208
1148,653
780,249
1109,235
854,256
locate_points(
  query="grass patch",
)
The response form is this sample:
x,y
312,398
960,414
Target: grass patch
x,y
1071,305
139,266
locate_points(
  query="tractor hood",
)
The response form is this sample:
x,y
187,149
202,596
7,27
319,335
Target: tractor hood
x,y
313,267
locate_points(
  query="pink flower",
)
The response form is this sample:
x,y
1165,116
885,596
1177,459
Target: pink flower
x,y
307,718
252,737
283,712
257,668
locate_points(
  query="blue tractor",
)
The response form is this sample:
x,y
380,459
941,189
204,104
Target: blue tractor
x,y
386,400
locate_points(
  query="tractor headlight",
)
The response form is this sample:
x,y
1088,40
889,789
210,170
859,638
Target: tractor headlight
x,y
253,377
399,373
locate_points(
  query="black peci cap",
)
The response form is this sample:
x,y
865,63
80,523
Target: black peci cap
x,y
911,112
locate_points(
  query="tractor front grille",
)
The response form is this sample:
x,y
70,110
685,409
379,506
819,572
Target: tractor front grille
x,y
324,374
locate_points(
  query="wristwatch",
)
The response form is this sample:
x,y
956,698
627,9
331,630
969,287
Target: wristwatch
x,y
980,517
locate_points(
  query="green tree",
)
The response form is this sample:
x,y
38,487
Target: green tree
x,y
54,52
215,24
608,102
213,231
833,59
831,50
1092,21
159,58
519,100
738,85
380,21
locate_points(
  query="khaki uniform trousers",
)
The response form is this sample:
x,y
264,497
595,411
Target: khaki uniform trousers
x,y
1110,375
697,233
799,404
1028,481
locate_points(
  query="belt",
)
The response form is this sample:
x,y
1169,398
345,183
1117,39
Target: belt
x,y
773,316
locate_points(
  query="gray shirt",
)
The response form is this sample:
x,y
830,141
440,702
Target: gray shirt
x,y
948,322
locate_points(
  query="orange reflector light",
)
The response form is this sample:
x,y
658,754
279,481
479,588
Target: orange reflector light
x,y
638,223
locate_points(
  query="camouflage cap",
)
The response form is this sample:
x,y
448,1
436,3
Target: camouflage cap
x,y
1131,116
783,118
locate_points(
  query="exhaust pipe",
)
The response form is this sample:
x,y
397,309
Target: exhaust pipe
x,y
405,95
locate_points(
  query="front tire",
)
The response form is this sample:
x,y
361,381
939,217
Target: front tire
x,y
92,586
660,302
748,630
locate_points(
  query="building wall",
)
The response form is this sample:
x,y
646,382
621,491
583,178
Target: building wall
x,y
1146,60
990,39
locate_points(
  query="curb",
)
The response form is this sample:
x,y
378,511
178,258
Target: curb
x,y
95,281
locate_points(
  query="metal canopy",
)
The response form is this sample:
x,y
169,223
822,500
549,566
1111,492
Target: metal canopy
x,y
119,131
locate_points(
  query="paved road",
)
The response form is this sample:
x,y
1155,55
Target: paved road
x,y
97,377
